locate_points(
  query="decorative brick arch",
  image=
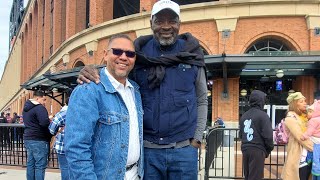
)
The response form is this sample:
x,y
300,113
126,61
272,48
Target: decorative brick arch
x,y
78,63
205,48
288,41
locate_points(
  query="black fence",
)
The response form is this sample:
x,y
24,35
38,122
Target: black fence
x,y
223,159
222,155
12,150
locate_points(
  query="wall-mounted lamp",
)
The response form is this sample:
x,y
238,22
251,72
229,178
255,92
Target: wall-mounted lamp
x,y
91,47
291,91
209,93
243,92
279,73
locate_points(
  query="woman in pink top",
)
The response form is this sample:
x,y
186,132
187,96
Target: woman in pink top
x,y
313,129
313,132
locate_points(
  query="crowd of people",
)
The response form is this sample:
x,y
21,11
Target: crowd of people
x,y
144,114
9,133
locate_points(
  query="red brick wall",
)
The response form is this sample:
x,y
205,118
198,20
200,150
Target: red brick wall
x,y
207,34
307,86
293,29
147,4
107,10
57,24
80,15
314,41
227,108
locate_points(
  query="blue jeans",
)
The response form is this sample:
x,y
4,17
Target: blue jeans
x,y
64,168
37,152
171,163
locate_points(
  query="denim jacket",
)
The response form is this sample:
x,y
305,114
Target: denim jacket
x,y
97,131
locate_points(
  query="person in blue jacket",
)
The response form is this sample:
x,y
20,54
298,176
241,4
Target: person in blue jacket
x,y
103,131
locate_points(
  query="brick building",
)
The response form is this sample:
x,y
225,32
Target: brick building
x,y
58,35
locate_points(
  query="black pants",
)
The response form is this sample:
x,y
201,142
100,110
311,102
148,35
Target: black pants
x,y
304,172
253,163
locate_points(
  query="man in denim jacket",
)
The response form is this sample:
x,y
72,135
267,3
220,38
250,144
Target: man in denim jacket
x,y
104,128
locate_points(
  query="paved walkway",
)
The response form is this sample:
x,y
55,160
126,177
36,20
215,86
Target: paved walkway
x,y
19,173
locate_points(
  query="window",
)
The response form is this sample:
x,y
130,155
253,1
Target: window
x,y
125,7
268,45
87,13
79,64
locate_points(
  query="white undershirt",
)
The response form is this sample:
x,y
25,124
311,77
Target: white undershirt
x,y
127,94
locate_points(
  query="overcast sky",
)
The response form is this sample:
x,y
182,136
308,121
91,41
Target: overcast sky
x,y
4,31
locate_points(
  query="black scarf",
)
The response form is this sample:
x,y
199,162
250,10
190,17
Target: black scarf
x,y
191,54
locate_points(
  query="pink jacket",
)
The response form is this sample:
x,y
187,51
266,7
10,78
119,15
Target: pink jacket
x,y
314,123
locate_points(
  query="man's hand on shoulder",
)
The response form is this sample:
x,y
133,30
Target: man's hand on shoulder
x,y
87,74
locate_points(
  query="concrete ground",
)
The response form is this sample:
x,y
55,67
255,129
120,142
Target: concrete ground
x,y
19,173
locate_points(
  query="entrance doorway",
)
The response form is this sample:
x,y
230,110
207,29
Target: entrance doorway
x,y
277,93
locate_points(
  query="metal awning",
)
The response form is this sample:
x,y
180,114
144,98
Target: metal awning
x,y
248,65
55,84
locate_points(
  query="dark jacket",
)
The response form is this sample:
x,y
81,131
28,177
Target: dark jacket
x,y
3,119
167,80
255,125
36,122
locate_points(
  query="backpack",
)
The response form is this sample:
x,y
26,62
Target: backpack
x,y
281,135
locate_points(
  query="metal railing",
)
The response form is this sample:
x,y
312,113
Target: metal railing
x,y
12,150
223,159
222,155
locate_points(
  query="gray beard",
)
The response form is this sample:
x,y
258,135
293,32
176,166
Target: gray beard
x,y
166,42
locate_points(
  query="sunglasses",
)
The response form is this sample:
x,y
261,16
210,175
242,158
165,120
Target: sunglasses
x,y
119,52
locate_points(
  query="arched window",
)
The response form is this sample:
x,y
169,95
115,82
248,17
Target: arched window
x,y
268,45
205,52
79,64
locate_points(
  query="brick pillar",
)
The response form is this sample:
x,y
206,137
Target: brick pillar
x,y
29,49
227,108
147,4
46,50
40,33
107,10
70,18
80,15
34,58
96,12
306,85
22,56
57,19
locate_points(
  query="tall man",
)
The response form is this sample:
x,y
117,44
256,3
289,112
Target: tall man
x,y
170,70
103,134
256,136
36,136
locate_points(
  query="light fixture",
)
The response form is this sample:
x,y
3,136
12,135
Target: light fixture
x,y
55,90
279,73
209,93
243,92
291,91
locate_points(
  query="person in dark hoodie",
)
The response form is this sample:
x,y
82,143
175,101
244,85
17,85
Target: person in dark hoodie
x,y
36,135
170,71
256,135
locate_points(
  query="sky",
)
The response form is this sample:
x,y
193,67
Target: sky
x,y
4,31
